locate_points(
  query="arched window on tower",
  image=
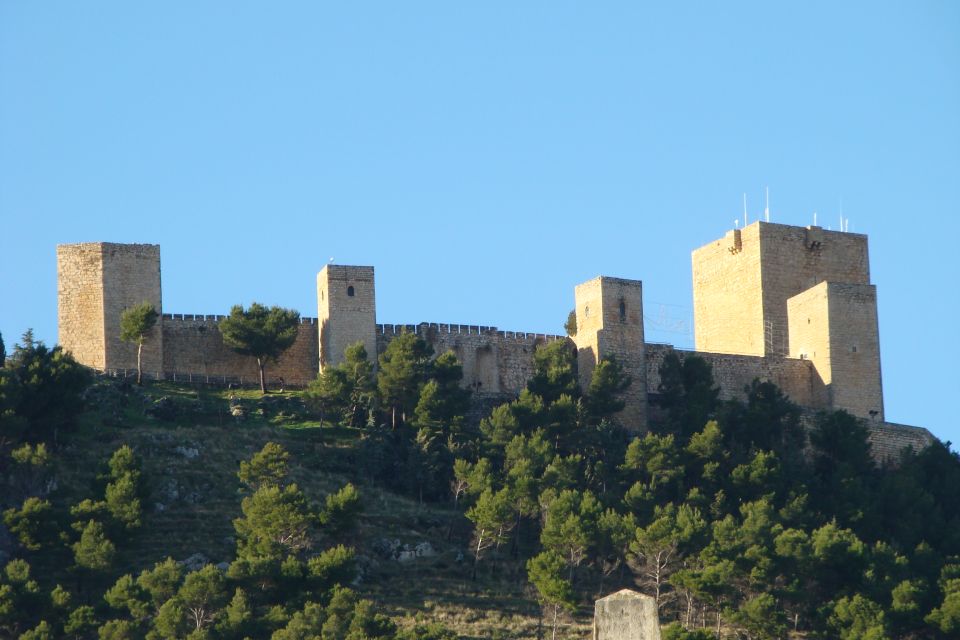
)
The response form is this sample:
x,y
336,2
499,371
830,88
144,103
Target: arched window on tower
x,y
350,291
623,310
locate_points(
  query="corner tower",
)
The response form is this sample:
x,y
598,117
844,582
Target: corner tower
x,y
96,281
346,311
834,325
610,323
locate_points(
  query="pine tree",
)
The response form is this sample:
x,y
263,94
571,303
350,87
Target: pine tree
x,y
404,368
94,551
261,333
136,323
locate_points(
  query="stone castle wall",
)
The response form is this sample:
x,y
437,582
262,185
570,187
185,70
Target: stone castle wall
x,y
732,373
888,440
494,362
193,345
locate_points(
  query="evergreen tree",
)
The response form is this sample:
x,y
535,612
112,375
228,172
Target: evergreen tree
x,y
404,368
491,517
275,525
94,551
117,630
347,390
606,386
19,597
202,596
554,371
268,467
50,384
946,616
687,394
842,467
136,323
341,510
858,618
81,621
261,333
570,326
570,527
545,572
32,524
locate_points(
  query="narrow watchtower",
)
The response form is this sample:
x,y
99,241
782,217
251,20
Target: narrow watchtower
x,y
96,281
346,311
610,323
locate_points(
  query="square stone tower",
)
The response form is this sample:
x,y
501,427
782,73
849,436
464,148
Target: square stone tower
x,y
96,281
346,311
610,323
741,283
834,325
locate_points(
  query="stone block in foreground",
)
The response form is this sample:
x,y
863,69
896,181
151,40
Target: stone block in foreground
x,y
626,615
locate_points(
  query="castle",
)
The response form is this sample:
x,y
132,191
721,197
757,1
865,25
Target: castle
x,y
780,303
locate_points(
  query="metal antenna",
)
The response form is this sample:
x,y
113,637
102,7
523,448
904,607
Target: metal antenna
x,y
766,210
814,218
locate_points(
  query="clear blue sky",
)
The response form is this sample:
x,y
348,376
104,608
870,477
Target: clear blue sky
x,y
485,157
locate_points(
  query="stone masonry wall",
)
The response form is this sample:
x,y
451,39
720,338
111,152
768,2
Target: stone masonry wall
x,y
855,350
80,302
797,378
494,362
193,345
888,440
727,303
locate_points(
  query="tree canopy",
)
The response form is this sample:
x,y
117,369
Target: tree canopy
x,y
136,322
261,332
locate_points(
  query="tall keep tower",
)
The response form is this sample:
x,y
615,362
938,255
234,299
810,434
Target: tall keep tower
x,y
779,290
610,323
96,282
346,311
742,282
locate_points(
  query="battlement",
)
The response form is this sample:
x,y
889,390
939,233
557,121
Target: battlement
x,y
462,329
214,318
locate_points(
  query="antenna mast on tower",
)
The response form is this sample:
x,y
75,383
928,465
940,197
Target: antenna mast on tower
x,y
766,210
